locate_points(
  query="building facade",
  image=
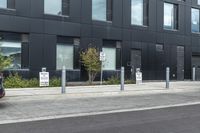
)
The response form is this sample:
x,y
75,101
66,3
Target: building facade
x,y
146,34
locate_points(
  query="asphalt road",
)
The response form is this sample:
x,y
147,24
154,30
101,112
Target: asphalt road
x,y
184,119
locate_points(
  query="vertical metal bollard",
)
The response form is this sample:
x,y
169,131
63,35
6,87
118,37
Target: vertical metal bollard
x,y
167,77
122,78
193,74
101,82
63,90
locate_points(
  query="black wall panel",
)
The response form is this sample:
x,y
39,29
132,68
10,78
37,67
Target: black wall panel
x,y
43,29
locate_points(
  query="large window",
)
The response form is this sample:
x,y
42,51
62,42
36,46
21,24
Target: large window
x,y
195,20
139,12
65,56
170,16
110,62
102,10
56,7
13,50
67,53
7,4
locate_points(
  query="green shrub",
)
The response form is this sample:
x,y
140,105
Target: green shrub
x,y
15,81
129,82
113,80
55,82
32,83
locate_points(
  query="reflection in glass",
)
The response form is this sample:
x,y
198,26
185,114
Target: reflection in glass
x,y
137,12
99,10
110,62
53,7
168,16
3,3
13,50
195,20
65,56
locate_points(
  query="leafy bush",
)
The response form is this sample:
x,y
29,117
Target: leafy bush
x,y
55,82
129,82
16,81
113,80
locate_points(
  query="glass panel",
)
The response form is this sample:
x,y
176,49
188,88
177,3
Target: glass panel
x,y
65,56
99,10
110,62
3,3
53,7
137,12
195,20
198,2
13,50
168,16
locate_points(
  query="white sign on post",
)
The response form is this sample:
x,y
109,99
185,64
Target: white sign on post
x,y
102,56
138,77
44,79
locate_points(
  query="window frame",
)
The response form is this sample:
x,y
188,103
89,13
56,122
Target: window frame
x,y
62,8
191,20
9,8
145,14
108,13
175,16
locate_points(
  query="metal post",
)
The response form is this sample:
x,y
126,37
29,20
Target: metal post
x,y
193,73
101,82
167,77
63,90
122,78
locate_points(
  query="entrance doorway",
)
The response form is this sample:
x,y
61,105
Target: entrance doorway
x,y
135,62
180,62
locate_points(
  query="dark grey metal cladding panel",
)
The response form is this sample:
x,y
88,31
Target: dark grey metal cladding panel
x,y
196,64
49,51
107,32
188,61
36,51
187,20
117,13
13,23
37,25
5,23
23,7
75,10
180,62
20,24
86,30
174,39
126,13
64,28
126,34
144,36
37,8
152,17
86,11
160,63
159,14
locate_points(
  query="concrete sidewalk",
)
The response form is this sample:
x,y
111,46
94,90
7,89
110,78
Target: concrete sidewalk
x,y
107,90
22,105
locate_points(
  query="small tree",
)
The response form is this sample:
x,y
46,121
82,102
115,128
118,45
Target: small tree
x,y
90,60
4,62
